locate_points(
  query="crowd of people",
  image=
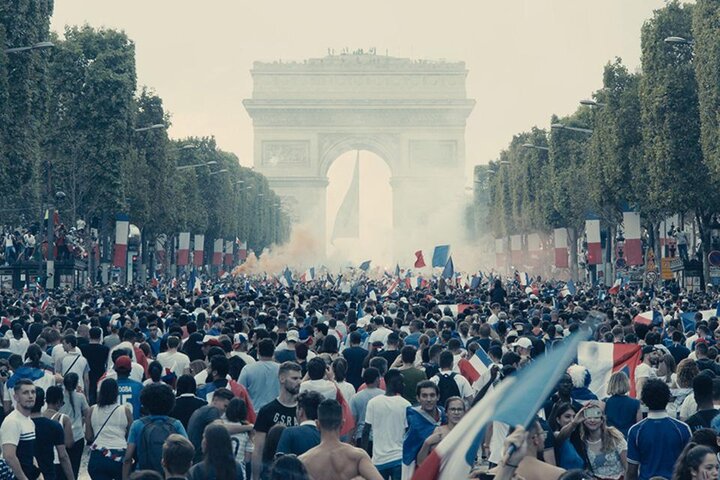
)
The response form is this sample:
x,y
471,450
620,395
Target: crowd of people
x,y
29,244
253,379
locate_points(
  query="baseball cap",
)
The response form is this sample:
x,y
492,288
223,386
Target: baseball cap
x,y
523,342
211,341
123,362
292,336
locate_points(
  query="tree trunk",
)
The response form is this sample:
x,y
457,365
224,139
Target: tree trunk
x,y
573,234
704,222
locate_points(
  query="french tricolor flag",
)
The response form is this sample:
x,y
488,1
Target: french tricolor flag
x,y
122,230
604,359
516,253
615,289
651,317
217,258
633,241
560,237
478,366
183,252
594,247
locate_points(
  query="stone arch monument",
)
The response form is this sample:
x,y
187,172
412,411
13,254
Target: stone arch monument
x,y
411,113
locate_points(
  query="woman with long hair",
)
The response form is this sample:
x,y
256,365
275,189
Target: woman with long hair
x,y
569,451
686,372
696,462
75,407
455,408
106,428
666,370
218,460
604,447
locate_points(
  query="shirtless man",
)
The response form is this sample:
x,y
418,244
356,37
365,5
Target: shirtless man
x,y
332,459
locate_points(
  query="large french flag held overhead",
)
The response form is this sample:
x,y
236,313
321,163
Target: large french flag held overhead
x,y
508,402
604,359
594,247
633,243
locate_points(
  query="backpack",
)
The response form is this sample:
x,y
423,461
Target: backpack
x,y
153,436
448,387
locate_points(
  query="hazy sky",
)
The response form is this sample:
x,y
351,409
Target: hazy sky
x,y
526,59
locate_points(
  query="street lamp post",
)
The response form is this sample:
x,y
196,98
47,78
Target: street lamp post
x,y
678,41
562,126
156,126
536,147
36,46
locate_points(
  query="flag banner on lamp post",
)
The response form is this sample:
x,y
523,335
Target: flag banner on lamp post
x,y
561,247
633,242
594,247
122,231
183,253
199,249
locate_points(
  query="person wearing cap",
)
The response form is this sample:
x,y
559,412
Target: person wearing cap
x,y
128,389
240,348
646,369
523,347
285,351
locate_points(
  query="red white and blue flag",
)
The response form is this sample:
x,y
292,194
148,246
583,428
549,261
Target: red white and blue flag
x,y
651,317
477,367
615,289
604,359
508,402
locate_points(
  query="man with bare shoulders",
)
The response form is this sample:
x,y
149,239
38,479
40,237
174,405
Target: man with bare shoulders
x,y
333,459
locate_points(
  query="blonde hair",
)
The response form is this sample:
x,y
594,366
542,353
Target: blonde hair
x,y
619,384
611,436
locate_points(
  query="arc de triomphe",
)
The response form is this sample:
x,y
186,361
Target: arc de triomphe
x,y
410,113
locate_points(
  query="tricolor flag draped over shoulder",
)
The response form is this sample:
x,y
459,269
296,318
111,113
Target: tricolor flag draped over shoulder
x,y
509,403
604,359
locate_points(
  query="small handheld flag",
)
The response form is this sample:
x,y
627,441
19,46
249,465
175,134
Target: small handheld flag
x,y
449,269
440,255
365,266
419,260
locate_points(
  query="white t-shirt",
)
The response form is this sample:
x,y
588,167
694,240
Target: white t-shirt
x,y
175,361
464,386
379,335
74,362
245,357
326,388
347,390
17,428
644,371
387,415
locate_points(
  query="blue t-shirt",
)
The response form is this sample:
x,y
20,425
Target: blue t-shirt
x,y
261,381
137,427
621,412
655,444
569,458
298,440
129,393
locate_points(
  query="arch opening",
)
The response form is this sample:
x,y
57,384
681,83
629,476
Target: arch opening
x,y
374,209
